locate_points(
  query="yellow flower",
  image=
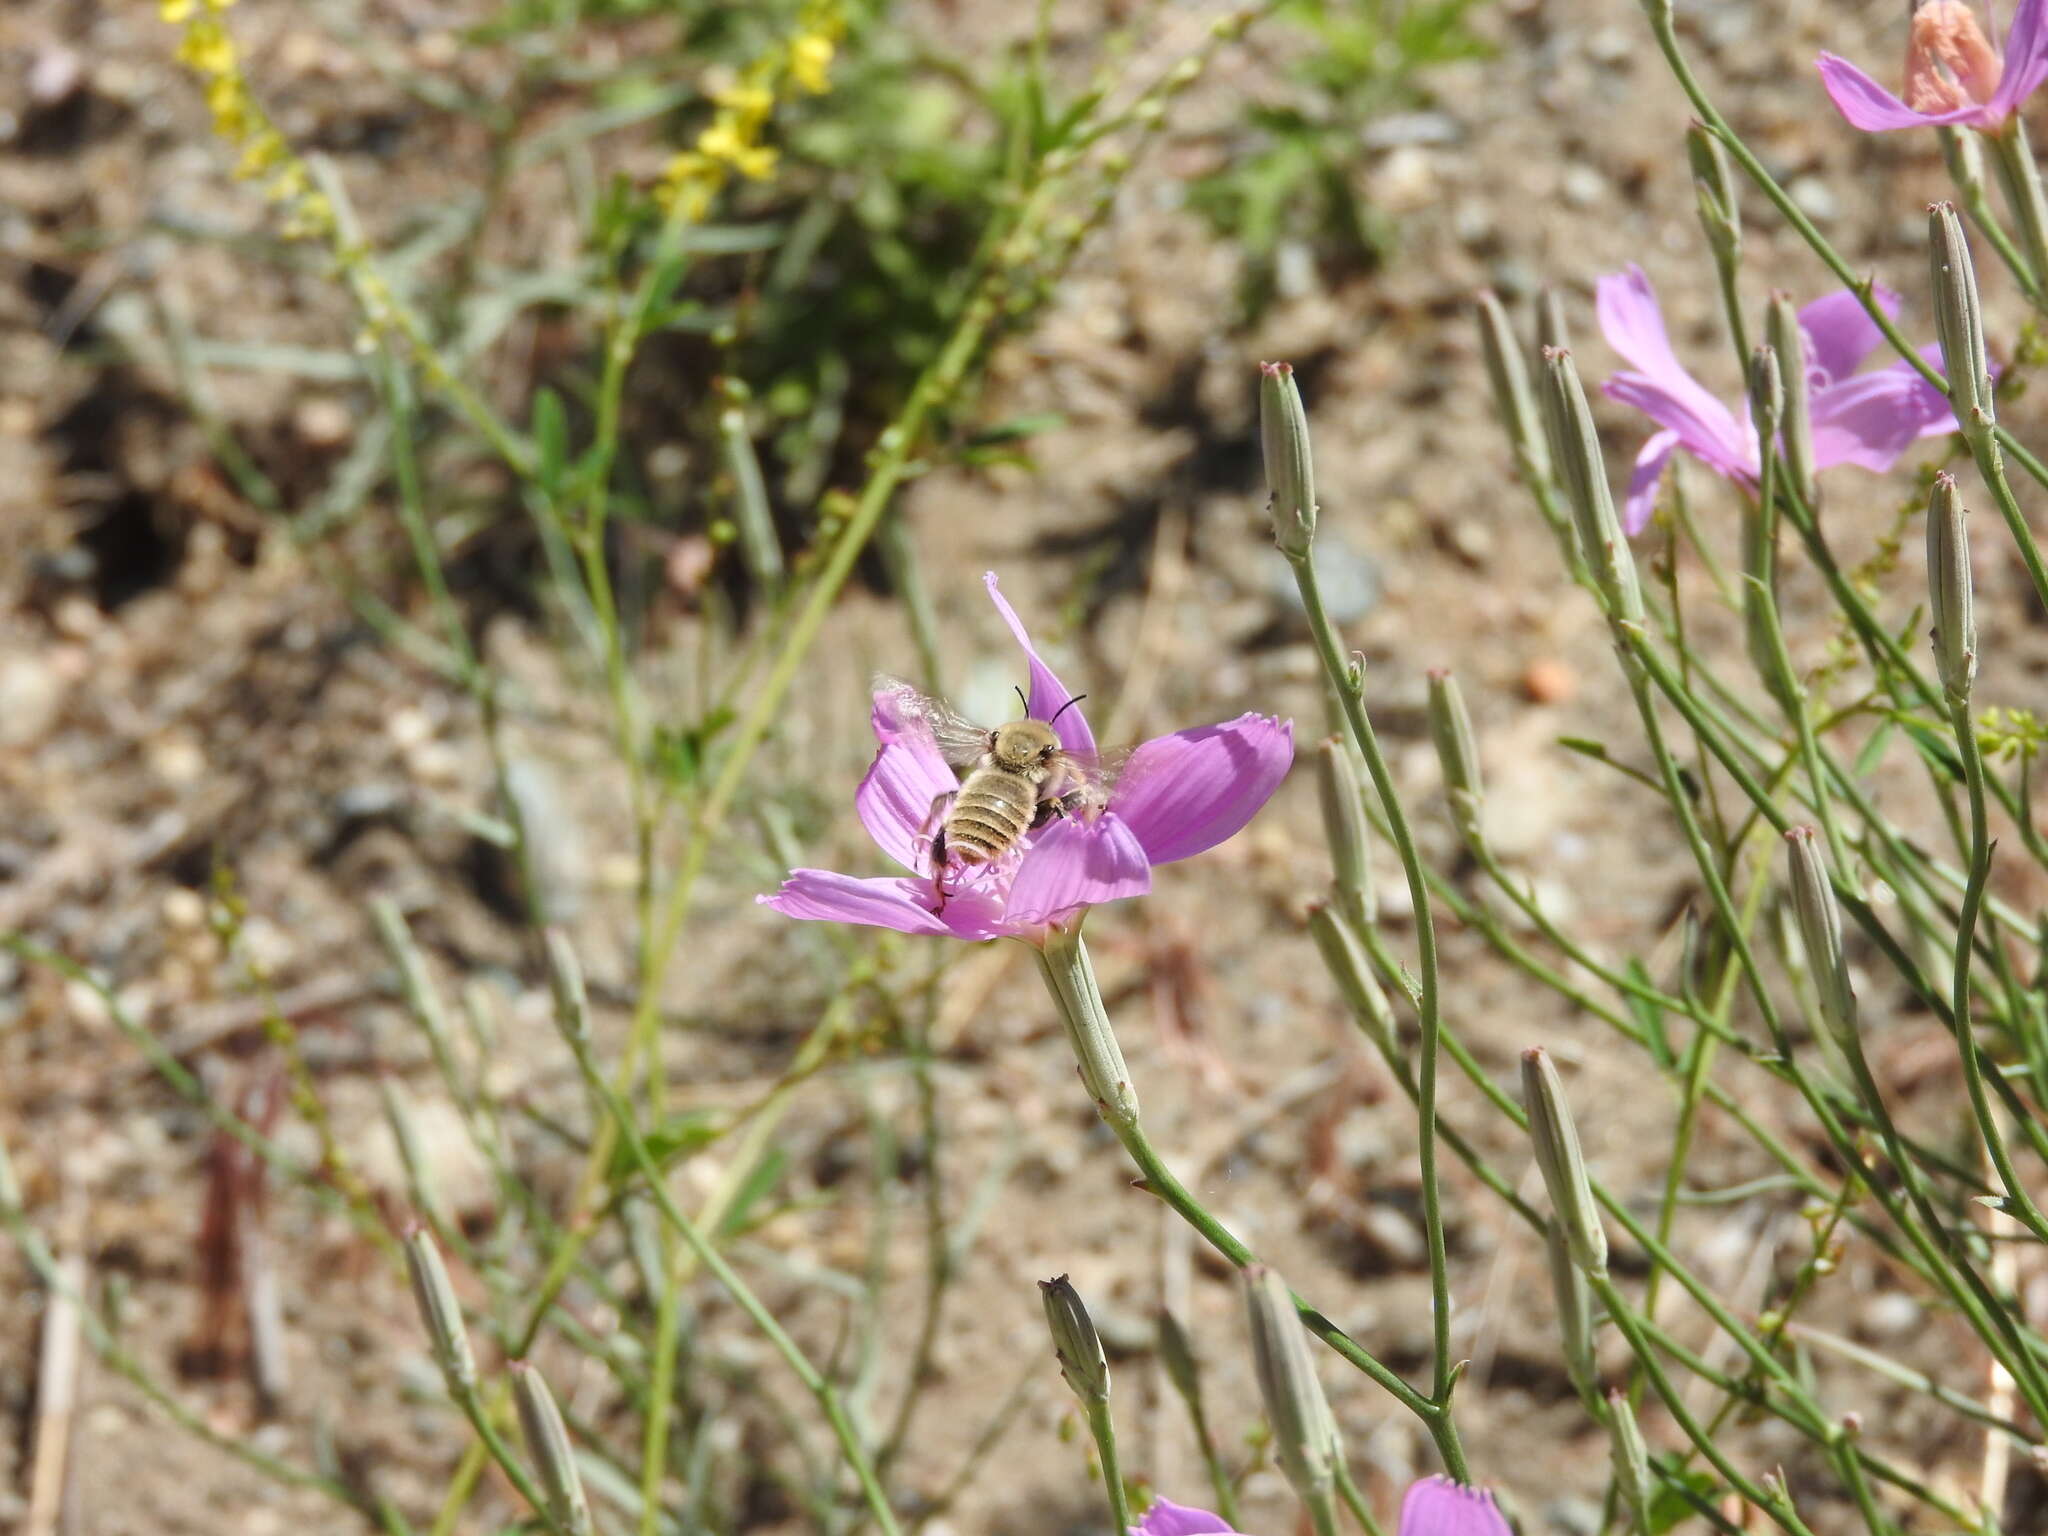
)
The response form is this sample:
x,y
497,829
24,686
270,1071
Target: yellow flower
x,y
176,12
810,57
746,101
208,49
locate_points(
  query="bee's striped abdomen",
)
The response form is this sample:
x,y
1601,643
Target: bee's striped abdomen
x,y
992,811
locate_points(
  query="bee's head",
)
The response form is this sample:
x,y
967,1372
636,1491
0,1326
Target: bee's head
x,y
1023,746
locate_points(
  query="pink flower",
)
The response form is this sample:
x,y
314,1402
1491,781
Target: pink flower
x,y
1858,418
1953,74
1434,1506
1177,796
1166,1518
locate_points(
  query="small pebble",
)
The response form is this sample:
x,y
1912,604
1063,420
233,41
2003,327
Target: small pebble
x,y
1547,680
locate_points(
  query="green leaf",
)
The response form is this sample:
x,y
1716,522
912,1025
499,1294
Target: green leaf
x,y
675,1138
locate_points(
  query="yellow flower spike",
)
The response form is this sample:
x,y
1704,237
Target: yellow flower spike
x,y
748,100
810,61
757,164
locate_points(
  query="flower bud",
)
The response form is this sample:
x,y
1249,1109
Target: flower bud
x,y
554,1458
10,1185
434,1295
1450,728
1344,831
1820,932
1574,1301
1513,400
1075,1341
1959,318
1949,591
1097,1055
1575,446
1631,1456
1962,153
1795,420
1766,393
1561,1163
565,981
1177,1354
1304,1430
1290,469
1347,965
1551,330
1714,190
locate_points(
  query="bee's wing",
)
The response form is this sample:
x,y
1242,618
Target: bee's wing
x,y
960,741
1094,774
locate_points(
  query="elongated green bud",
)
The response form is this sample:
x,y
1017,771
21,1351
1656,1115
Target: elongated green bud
x,y
565,981
1714,189
1631,1456
1344,830
1514,401
1562,1164
1575,446
434,1295
547,1441
1097,1055
1820,932
1304,1430
1552,331
1766,393
1075,1341
1962,153
1450,729
1574,1300
1177,1354
1959,318
1950,591
1290,468
1361,989
1795,420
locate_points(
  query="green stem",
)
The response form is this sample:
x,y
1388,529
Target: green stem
x,y
1103,1428
2019,179
1350,690
826,1396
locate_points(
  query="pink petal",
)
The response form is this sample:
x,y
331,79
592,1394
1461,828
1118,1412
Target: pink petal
x,y
1869,106
1074,864
895,799
1706,429
1874,417
1166,1518
1189,791
1642,482
2026,58
1048,693
1436,1506
825,896
1840,333
1633,324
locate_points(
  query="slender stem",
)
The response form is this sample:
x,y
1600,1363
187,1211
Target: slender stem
x,y
2017,1201
2020,180
743,1296
1347,1489
1103,1428
1350,689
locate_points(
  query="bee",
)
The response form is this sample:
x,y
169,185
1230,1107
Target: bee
x,y
1015,778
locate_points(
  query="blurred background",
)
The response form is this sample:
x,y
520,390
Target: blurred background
x,y
239,718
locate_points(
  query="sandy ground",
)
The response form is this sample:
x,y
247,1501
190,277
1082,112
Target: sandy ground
x,y
180,684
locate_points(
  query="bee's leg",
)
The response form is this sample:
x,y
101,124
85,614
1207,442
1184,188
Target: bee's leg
x,y
936,818
1072,805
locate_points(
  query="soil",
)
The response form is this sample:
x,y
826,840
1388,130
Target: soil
x,y
185,687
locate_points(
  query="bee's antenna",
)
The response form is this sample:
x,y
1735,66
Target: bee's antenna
x,y
1021,699
1077,698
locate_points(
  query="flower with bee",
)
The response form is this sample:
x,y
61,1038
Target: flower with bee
x,y
1007,831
